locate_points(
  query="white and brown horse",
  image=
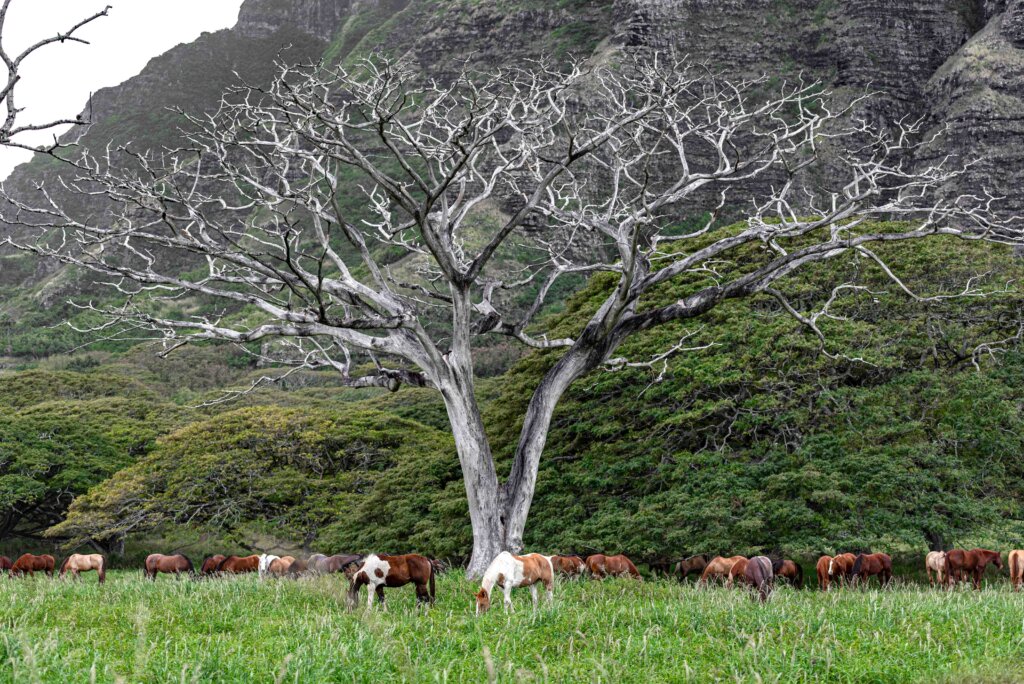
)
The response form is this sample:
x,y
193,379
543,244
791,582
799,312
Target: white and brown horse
x,y
379,571
78,563
935,562
508,571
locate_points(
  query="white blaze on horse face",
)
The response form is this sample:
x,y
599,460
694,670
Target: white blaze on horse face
x,y
831,562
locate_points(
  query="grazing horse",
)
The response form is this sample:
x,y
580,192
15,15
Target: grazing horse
x,y
78,563
238,565
601,566
790,571
570,566
279,566
33,564
264,564
959,562
379,571
176,564
210,564
824,562
840,568
508,571
1016,563
298,567
5,563
738,569
758,574
871,564
690,565
718,568
338,563
935,562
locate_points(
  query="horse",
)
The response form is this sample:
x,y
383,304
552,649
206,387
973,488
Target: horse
x,y
279,566
210,564
790,571
718,568
601,566
841,567
870,564
27,563
264,564
238,565
337,563
78,563
935,562
959,562
379,571
174,564
824,562
738,569
690,565
758,574
297,568
1016,563
5,563
508,572
570,566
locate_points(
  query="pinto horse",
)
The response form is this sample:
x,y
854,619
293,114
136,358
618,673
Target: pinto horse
x,y
379,571
821,567
5,563
1016,563
601,566
78,563
508,572
935,562
757,572
841,567
238,565
872,564
789,571
570,566
172,565
210,564
27,563
960,562
718,568
687,566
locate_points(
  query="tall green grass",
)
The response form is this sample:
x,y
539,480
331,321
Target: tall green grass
x,y
232,630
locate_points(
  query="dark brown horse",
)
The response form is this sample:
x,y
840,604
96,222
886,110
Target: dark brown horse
x,y
569,566
377,572
690,565
840,569
869,565
789,571
237,565
5,563
601,566
172,565
27,563
960,563
210,564
758,574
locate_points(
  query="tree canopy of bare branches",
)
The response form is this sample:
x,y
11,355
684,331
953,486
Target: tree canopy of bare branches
x,y
587,169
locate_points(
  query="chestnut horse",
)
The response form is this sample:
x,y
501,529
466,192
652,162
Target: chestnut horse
x,y
33,564
174,564
738,570
1016,563
379,571
718,568
279,566
758,574
78,563
570,566
789,571
210,564
508,572
238,565
690,565
935,562
872,564
822,566
5,563
841,567
960,562
601,566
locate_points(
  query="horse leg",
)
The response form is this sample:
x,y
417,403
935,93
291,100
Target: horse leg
x,y
380,596
533,595
508,597
550,587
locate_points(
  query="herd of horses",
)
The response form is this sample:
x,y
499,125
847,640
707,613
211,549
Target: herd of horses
x,y
508,571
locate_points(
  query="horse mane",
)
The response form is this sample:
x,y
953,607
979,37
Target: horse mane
x,y
220,565
857,564
65,563
777,563
188,561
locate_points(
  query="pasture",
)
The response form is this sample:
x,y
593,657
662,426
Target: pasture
x,y
244,629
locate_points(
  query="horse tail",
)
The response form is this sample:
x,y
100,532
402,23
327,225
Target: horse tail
x,y
103,568
220,565
799,576
64,565
432,592
1015,565
857,565
188,564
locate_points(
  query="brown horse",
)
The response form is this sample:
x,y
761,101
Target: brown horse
x,y
960,562
789,571
841,568
570,566
758,574
738,570
27,563
601,566
822,569
5,563
337,563
172,565
718,568
279,566
935,562
238,565
379,571
78,563
688,566
869,565
210,564
1016,563
508,572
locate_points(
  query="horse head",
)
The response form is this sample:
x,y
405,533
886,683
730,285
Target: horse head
x,y
483,601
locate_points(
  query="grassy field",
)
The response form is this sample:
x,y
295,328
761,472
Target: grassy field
x,y
617,631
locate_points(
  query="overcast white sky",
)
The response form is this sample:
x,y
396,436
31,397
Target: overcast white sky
x,y
56,81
